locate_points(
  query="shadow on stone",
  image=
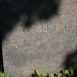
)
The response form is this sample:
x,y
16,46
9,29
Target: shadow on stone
x,y
1,57
12,10
71,58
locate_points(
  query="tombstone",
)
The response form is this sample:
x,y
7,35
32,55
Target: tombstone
x,y
44,46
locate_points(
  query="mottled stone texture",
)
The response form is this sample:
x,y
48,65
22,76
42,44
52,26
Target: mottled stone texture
x,y
44,46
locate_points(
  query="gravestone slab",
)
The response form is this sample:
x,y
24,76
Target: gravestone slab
x,y
44,46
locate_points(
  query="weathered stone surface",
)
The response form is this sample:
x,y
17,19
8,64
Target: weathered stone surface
x,y
44,46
